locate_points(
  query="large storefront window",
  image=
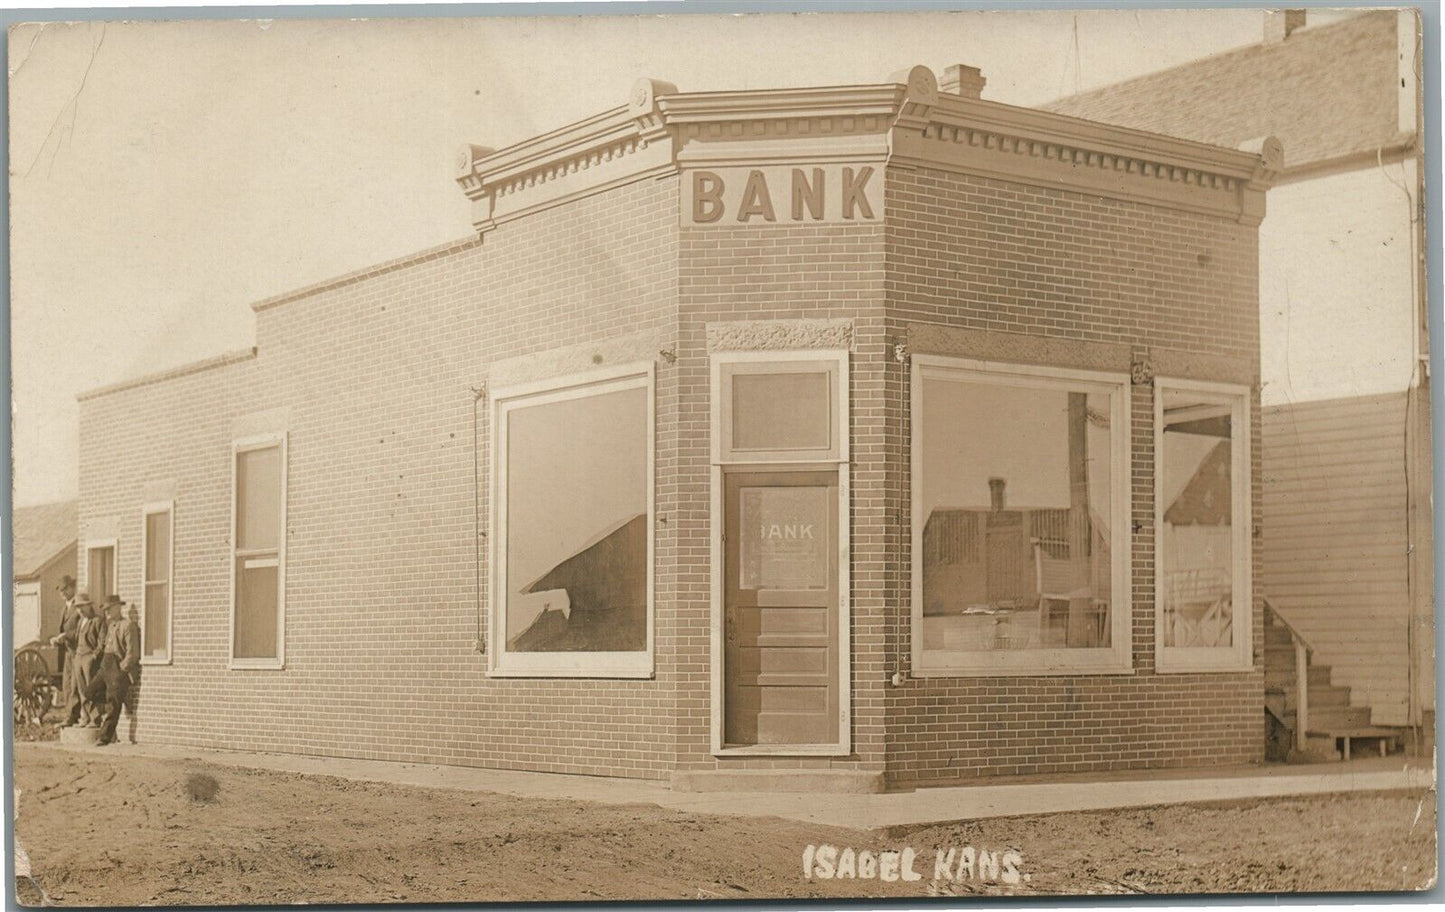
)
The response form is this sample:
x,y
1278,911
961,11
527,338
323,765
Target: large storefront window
x,y
258,609
574,528
1202,486
1020,538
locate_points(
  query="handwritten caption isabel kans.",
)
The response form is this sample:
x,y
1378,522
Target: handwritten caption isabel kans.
x,y
957,864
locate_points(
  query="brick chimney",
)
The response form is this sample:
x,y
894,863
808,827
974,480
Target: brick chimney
x,y
964,81
995,493
1279,24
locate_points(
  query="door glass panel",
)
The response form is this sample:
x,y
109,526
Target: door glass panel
x,y
784,534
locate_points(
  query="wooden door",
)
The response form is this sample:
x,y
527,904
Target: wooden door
x,y
781,609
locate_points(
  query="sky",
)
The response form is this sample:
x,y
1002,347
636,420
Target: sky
x,y
164,175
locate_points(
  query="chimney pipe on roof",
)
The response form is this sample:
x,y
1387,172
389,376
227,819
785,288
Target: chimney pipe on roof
x,y
965,81
1280,24
995,493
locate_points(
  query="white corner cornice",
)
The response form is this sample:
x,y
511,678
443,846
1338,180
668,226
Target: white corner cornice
x,y
907,121
616,147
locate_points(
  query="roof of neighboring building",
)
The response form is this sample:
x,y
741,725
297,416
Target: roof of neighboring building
x,y
40,533
1326,92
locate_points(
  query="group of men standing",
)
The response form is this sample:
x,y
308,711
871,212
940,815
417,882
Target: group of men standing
x,y
99,652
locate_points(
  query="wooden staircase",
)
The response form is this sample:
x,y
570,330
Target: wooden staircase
x,y
1296,689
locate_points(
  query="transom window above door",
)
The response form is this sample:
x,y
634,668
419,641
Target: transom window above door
x,y
778,407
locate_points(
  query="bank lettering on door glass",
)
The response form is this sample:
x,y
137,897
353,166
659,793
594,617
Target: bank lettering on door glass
x,y
783,195
785,532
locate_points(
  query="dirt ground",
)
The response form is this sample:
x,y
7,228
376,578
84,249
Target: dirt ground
x,y
128,830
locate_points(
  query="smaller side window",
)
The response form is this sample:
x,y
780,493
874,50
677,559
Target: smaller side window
x,y
156,544
1202,487
258,567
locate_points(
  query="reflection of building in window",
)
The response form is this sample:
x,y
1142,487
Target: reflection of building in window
x,y
1017,494
1196,538
602,597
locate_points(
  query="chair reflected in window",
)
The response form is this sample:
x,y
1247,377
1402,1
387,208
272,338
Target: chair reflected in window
x,y
1070,613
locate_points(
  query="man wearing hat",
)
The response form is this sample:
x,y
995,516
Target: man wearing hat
x,y
119,657
73,636
69,617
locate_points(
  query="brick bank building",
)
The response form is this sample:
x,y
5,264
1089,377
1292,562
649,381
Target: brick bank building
x,y
818,438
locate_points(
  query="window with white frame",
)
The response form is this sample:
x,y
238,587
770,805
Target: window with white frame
x,y
258,577
572,526
156,533
1020,519
1202,561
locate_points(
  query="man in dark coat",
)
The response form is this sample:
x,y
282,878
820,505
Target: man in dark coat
x,y
119,659
71,635
69,618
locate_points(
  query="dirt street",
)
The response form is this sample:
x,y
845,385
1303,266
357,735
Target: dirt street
x,y
119,830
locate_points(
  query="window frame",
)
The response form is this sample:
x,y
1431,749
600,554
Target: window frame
x,y
147,511
1240,655
239,446
728,364
503,663
1115,659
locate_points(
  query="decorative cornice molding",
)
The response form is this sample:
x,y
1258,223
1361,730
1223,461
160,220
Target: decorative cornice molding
x,y
779,335
1038,147
907,120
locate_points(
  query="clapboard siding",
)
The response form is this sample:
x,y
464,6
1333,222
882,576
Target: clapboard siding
x,y
1333,546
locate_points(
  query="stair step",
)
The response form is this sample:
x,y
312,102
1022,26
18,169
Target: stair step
x,y
1339,718
1328,736
1275,635
1321,697
1279,654
1285,677
1328,695
1364,731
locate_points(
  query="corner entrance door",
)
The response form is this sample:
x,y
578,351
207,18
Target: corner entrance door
x,y
780,606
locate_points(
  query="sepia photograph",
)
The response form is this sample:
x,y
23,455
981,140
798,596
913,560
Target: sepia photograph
x,y
652,453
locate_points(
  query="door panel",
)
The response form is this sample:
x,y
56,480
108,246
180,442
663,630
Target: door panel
x,y
781,608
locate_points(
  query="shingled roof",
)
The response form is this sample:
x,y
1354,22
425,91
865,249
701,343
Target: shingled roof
x,y
40,533
1327,92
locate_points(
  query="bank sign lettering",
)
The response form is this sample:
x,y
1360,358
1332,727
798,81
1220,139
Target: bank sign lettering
x,y
782,195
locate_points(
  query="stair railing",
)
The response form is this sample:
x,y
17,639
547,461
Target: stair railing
x,y
1301,675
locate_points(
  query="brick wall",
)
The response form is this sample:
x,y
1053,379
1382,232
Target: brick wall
x,y
381,610
800,272
1007,258
374,377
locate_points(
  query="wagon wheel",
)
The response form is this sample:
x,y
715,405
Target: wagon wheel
x,y
33,689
